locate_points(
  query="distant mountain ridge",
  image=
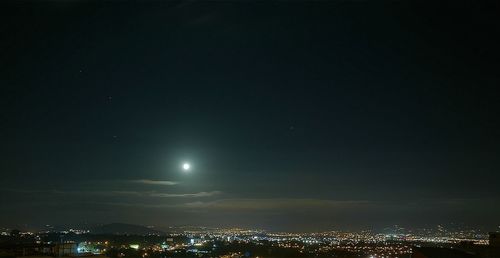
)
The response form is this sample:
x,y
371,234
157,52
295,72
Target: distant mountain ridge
x,y
125,229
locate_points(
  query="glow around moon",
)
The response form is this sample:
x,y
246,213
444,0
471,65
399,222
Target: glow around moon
x,y
186,166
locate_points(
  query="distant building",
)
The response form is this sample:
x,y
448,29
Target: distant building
x,y
39,250
195,241
65,249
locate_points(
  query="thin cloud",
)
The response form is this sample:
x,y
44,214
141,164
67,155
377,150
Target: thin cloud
x,y
271,204
152,194
154,182
248,204
186,195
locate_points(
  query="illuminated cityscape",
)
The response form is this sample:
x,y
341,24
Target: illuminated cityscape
x,y
236,242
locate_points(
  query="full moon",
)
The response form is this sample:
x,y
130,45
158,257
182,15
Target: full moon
x,y
186,166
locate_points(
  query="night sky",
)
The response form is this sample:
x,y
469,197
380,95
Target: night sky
x,y
313,115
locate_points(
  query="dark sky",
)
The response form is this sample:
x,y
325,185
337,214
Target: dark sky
x,y
312,115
